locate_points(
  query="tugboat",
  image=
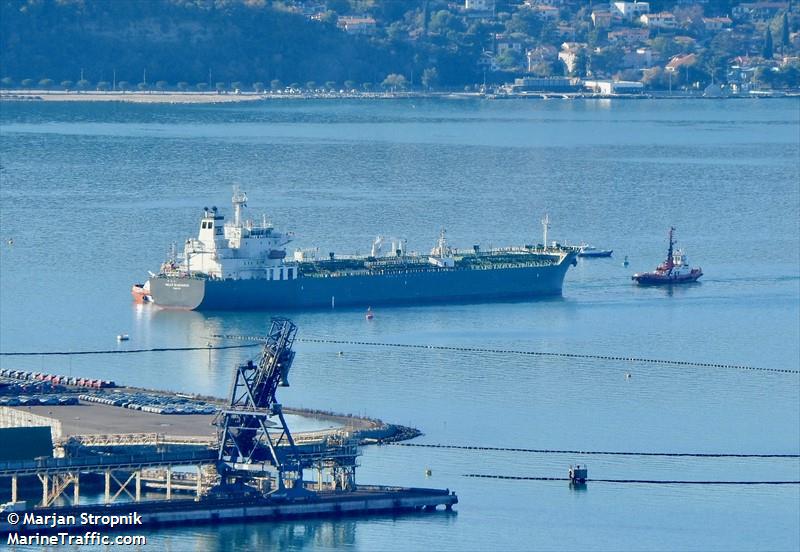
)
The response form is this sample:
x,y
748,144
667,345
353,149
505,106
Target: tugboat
x,y
674,270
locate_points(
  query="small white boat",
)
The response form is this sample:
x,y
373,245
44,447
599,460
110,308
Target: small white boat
x,y
585,250
123,337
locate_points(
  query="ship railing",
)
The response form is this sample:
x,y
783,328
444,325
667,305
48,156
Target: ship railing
x,y
384,272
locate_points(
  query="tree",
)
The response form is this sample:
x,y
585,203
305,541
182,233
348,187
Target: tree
x,y
46,84
349,84
162,85
526,22
66,84
27,83
784,32
201,86
237,85
342,7
83,84
330,85
394,81
367,86
311,85
767,52
219,87
581,62
258,86
509,59
295,86
275,84
655,77
142,86
183,86
103,85
429,77
124,85
6,82
443,22
396,32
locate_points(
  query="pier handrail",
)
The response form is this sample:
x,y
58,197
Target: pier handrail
x,y
39,465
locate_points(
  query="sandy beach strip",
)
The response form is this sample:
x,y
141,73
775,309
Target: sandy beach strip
x,y
132,97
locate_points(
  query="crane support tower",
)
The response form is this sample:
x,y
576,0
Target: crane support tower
x,y
256,448
246,445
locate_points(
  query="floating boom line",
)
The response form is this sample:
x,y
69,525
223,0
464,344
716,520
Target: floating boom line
x,y
258,340
643,481
600,452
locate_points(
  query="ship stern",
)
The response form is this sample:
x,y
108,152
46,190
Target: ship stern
x,y
177,293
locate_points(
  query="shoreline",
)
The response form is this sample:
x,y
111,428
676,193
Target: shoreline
x,y
207,98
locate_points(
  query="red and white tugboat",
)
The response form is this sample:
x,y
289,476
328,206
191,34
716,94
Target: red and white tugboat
x,y
674,270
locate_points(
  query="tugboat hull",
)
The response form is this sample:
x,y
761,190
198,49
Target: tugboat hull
x,y
655,279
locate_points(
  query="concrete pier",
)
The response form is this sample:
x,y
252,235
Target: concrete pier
x,y
364,500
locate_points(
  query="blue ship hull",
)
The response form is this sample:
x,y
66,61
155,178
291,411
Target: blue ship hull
x,y
363,290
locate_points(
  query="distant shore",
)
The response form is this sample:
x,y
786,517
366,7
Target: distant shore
x,y
131,97
172,97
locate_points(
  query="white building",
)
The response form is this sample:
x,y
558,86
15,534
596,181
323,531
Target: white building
x,y
638,59
663,20
479,5
354,24
631,10
532,3
608,88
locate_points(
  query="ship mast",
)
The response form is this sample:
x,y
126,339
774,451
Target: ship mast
x,y
670,264
545,227
239,200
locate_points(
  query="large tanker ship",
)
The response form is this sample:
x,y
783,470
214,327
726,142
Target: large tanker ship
x,y
242,265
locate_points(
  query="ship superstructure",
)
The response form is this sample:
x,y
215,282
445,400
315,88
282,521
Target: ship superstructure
x,y
240,249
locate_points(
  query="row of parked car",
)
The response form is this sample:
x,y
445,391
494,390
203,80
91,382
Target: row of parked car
x,y
14,387
39,400
151,402
56,379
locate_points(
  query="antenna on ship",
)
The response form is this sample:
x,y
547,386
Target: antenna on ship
x,y
670,263
545,228
239,200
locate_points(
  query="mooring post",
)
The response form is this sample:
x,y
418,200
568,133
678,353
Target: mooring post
x,y
45,485
138,485
107,498
13,488
169,482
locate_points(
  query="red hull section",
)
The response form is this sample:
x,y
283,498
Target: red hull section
x,y
140,294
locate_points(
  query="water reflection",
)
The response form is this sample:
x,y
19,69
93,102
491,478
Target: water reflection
x,y
311,534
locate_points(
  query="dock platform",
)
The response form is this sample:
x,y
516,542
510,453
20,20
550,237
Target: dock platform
x,y
364,500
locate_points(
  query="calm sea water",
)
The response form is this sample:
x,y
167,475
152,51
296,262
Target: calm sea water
x,y
93,194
